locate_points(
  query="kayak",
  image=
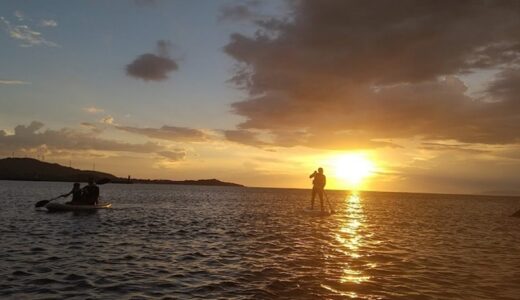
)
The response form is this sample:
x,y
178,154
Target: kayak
x,y
55,207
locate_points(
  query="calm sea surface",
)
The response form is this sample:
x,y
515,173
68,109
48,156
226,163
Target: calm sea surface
x,y
186,242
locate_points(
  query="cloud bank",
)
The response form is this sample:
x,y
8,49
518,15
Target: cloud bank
x,y
34,136
356,74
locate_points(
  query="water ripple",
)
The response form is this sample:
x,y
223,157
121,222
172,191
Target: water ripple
x,y
179,242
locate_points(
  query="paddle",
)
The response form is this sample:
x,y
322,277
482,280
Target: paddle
x,y
328,202
45,202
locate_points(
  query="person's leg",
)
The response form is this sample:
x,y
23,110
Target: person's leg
x,y
321,199
312,198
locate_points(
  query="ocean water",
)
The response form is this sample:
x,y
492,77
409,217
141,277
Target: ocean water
x,y
188,242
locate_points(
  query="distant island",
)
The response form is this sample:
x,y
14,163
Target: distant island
x,y
30,169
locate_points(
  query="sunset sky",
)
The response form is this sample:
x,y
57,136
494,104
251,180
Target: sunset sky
x,y
420,96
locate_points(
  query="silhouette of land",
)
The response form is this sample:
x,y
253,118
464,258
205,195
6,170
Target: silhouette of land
x,y
29,169
36,170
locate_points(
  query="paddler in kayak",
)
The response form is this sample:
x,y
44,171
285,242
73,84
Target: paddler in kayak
x,y
318,184
76,195
90,193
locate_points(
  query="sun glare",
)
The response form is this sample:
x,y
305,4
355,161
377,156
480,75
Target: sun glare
x,y
353,168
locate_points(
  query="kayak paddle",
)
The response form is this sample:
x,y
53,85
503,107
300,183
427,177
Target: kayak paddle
x,y
45,202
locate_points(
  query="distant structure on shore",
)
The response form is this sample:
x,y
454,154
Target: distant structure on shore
x,y
30,169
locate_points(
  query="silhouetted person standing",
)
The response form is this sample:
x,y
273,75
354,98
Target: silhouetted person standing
x,y
91,193
318,184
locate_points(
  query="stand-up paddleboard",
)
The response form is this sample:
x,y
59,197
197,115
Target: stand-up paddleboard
x,y
317,212
56,207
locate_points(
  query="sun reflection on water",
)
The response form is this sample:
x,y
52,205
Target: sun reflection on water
x,y
351,238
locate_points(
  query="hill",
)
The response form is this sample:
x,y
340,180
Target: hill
x,y
35,170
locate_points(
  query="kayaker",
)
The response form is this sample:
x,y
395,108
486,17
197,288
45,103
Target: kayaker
x,y
91,193
318,184
76,195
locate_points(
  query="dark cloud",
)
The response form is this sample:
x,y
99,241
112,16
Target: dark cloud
x,y
33,136
22,130
93,127
370,71
88,124
245,137
170,133
506,88
238,11
153,67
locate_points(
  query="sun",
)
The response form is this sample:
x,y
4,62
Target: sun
x,y
353,168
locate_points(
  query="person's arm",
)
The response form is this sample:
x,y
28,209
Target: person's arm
x,y
96,195
312,175
67,194
324,180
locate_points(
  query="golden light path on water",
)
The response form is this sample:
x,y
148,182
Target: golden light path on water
x,y
355,218
350,239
